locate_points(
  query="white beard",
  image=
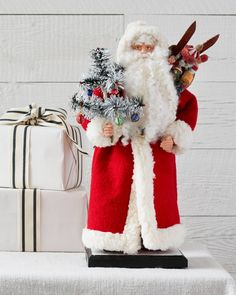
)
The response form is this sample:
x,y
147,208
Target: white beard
x,y
149,77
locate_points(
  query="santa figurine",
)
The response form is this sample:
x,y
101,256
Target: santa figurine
x,y
133,195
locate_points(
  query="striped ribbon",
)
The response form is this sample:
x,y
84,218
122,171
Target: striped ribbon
x,y
29,220
34,115
20,156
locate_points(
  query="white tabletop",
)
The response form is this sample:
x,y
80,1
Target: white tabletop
x,y
67,273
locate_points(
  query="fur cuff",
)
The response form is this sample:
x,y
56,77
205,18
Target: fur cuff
x,y
95,134
182,134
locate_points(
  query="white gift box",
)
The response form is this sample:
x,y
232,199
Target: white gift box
x,y
42,220
39,157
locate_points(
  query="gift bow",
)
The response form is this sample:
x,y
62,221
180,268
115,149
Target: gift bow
x,y
34,115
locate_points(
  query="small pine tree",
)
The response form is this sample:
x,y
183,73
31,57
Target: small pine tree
x,y
103,72
100,70
108,76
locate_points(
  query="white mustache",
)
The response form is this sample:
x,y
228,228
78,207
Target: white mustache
x,y
144,54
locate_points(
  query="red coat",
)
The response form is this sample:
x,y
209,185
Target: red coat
x,y
134,190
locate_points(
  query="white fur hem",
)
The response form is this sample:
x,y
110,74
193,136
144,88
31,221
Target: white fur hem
x,y
171,237
98,240
95,134
182,135
165,238
129,241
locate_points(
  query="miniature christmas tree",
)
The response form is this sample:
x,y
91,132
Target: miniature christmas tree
x,y
102,93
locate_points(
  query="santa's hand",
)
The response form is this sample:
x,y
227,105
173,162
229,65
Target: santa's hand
x,y
108,130
167,143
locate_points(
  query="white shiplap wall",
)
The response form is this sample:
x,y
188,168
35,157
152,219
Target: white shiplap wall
x,y
44,50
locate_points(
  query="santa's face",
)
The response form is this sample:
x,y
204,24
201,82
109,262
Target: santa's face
x,y
141,64
143,47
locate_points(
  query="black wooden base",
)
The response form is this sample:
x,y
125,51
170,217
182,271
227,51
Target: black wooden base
x,y
172,258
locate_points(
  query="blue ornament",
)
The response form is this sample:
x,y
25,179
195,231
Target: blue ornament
x,y
135,117
89,92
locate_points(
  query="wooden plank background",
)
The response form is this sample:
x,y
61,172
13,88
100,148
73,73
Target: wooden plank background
x,y
44,49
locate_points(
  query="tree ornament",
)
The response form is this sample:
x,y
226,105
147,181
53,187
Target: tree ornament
x,y
98,92
119,120
90,92
114,91
79,118
135,117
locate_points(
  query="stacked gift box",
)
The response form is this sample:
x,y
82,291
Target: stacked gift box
x,y
43,206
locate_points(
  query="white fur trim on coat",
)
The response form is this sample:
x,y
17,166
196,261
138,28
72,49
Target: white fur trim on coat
x,y
171,237
94,133
129,241
141,217
182,135
153,237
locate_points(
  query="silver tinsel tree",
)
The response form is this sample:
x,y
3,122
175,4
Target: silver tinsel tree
x,y
102,93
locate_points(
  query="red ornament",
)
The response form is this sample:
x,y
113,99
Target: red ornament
x,y
79,118
114,91
98,92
